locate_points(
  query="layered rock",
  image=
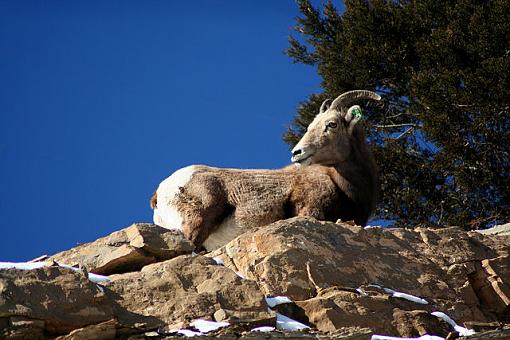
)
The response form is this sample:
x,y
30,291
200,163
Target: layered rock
x,y
344,282
502,230
127,250
464,274
187,288
51,300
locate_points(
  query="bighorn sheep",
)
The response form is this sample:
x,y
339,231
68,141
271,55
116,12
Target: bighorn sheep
x,y
336,178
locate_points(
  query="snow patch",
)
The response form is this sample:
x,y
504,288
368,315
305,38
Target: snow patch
x,y
361,291
410,298
96,278
401,295
287,324
423,337
205,326
263,329
23,265
461,330
187,332
218,261
36,265
277,300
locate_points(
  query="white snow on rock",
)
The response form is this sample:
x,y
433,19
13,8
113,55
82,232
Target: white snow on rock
x,y
287,324
205,326
402,295
361,291
96,278
423,337
23,265
263,329
187,332
218,261
277,300
461,330
372,227
36,265
410,298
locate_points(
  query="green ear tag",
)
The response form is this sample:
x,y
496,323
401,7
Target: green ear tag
x,y
356,112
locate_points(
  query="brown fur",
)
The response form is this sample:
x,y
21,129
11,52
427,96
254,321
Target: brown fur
x,y
154,200
341,182
260,197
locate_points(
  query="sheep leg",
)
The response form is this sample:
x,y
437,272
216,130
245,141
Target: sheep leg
x,y
200,217
310,211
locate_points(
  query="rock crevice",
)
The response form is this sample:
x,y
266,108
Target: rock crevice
x,y
340,279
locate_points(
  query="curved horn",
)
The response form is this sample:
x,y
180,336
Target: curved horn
x,y
347,98
325,105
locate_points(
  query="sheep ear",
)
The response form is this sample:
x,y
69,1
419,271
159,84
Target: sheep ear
x,y
353,116
325,105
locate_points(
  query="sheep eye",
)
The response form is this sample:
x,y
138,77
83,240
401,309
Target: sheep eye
x,y
332,125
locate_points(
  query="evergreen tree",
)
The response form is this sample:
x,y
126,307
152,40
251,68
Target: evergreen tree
x,y
442,137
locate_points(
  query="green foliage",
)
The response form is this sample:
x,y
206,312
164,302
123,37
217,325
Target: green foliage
x,y
442,136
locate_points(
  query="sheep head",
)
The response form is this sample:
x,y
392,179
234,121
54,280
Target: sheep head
x,y
329,137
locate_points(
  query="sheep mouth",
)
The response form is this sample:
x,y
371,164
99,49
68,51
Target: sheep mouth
x,y
301,159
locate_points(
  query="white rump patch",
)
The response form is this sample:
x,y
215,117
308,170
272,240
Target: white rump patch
x,y
165,213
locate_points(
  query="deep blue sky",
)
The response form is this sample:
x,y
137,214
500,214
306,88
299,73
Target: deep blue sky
x,y
101,100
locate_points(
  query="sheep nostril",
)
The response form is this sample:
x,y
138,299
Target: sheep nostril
x,y
296,152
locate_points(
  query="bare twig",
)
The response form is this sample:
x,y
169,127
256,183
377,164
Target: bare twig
x,y
405,132
395,125
397,115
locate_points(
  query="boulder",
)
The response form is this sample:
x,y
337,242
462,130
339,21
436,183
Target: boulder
x,y
167,295
186,288
501,229
102,331
50,300
127,250
344,281
335,309
464,274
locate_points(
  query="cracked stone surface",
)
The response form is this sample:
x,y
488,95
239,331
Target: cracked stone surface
x,y
54,300
127,250
464,274
344,282
189,287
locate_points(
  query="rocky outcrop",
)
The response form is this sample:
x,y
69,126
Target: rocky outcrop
x,y
340,280
502,230
464,274
51,300
127,250
187,288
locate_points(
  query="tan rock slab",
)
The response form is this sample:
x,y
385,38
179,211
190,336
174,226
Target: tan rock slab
x,y
190,287
448,267
54,299
127,250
